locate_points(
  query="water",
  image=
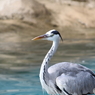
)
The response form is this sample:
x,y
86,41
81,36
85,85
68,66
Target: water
x,y
20,63
27,83
20,84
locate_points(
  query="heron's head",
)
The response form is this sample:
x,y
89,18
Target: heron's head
x,y
51,35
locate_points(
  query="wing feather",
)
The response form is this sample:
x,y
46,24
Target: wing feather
x,y
74,78
82,83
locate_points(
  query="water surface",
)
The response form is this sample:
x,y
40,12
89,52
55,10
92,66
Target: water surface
x,y
20,63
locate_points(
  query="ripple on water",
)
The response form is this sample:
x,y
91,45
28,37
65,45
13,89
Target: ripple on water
x,y
20,84
19,69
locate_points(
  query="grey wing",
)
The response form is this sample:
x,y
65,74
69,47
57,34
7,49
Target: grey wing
x,y
73,78
81,83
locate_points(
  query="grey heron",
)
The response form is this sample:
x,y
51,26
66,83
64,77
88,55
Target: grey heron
x,y
64,78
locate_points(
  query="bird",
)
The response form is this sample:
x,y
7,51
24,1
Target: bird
x,y
64,78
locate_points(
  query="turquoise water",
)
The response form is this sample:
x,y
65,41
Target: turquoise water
x,y
27,83
20,84
19,68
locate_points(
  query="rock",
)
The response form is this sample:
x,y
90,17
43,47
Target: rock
x,y
26,10
71,12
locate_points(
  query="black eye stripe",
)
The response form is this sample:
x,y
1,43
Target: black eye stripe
x,y
56,32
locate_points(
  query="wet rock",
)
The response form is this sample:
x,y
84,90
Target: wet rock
x,y
26,10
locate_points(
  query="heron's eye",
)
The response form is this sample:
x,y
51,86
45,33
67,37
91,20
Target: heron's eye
x,y
51,35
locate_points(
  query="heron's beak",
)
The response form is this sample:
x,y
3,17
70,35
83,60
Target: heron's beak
x,y
40,37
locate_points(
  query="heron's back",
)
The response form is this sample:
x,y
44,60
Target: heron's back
x,y
74,78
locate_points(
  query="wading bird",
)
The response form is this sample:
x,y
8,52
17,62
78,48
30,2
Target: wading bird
x,y
64,78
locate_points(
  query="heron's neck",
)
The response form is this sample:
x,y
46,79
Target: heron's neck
x,y
44,67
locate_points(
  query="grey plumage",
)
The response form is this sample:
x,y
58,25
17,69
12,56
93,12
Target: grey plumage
x,y
74,78
64,78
